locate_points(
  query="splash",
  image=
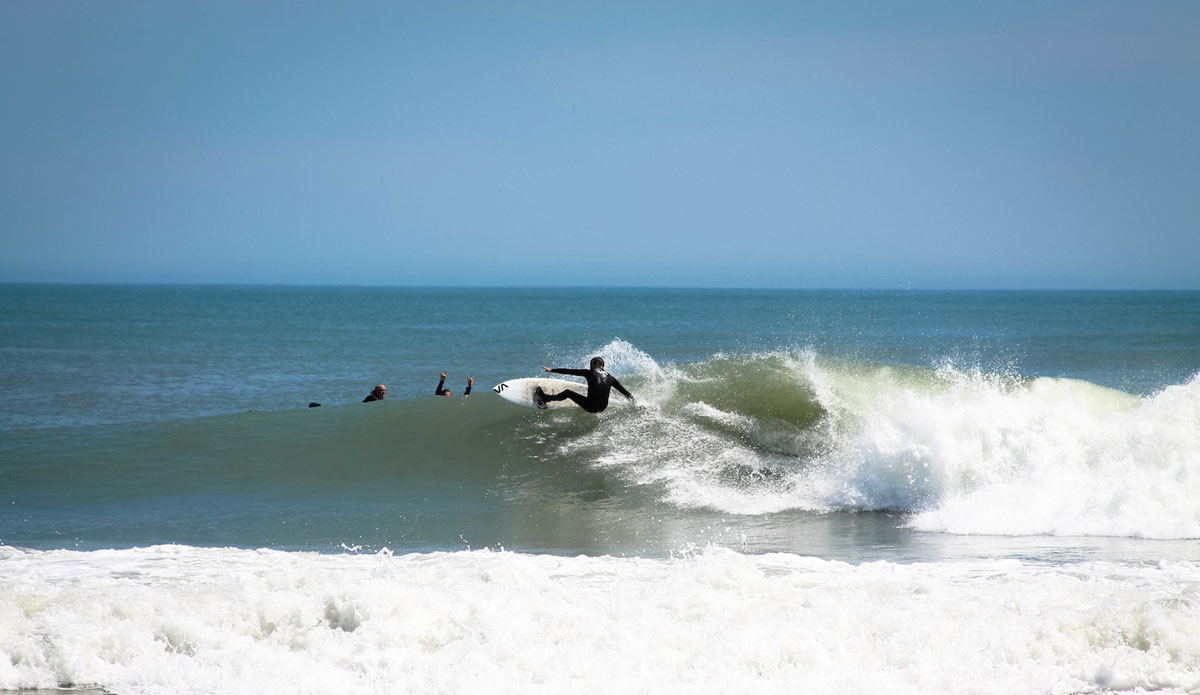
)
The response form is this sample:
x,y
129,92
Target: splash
x,y
959,450
1077,461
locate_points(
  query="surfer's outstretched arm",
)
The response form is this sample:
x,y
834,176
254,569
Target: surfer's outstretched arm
x,y
617,385
572,372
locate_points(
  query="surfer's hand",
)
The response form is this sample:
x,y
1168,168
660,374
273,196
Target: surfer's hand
x,y
547,368
443,375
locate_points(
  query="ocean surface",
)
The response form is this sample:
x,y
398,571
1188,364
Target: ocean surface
x,y
816,492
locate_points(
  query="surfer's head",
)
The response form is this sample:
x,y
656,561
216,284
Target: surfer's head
x,y
597,363
379,391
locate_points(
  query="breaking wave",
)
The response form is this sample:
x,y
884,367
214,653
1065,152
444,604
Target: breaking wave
x,y
960,450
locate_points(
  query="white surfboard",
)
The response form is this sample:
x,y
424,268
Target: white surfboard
x,y
520,391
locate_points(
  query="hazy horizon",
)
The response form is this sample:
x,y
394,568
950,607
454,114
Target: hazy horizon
x,y
687,288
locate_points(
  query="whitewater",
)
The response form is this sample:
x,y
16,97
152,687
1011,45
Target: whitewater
x,y
189,620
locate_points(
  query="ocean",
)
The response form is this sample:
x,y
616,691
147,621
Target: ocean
x,y
815,491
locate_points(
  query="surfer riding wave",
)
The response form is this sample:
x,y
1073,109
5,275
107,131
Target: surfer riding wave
x,y
599,382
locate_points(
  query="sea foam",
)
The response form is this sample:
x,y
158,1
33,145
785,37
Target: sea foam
x,y
189,620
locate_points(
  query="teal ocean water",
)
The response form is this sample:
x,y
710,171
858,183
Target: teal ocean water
x,y
819,490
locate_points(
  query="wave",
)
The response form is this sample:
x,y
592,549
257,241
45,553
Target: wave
x,y
190,620
955,450
959,450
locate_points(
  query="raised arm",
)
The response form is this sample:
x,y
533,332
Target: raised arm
x,y
441,382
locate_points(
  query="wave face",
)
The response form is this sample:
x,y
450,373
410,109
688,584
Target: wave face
x,y
960,450
190,620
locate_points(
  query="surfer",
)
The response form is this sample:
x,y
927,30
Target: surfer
x,y
376,394
440,391
599,382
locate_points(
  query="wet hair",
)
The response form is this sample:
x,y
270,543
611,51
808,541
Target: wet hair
x,y
597,363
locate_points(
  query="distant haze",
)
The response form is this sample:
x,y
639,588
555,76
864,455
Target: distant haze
x,y
792,144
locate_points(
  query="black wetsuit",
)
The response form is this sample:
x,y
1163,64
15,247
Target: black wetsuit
x,y
600,383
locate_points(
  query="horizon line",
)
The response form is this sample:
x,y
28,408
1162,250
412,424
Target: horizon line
x,y
94,283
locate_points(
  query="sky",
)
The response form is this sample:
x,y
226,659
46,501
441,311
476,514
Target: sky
x,y
923,145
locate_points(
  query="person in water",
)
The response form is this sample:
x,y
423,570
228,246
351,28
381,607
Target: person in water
x,y
599,382
377,394
440,391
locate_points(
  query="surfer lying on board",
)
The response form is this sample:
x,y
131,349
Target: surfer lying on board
x,y
440,391
599,384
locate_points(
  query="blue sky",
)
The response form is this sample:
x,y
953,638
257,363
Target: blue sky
x,y
792,144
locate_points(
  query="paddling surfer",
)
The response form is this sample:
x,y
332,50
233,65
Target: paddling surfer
x,y
599,382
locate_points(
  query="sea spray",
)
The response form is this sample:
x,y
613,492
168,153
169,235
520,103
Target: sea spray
x,y
963,450
1096,470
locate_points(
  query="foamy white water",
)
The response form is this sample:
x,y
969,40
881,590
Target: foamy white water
x,y
188,620
1083,468
962,451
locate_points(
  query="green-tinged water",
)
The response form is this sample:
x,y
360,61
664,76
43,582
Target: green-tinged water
x,y
842,424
